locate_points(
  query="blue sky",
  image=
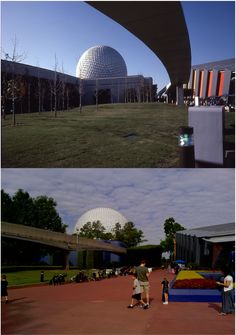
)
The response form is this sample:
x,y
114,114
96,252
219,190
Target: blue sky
x,y
147,197
68,29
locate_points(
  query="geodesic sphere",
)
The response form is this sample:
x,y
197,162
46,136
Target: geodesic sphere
x,y
101,62
107,216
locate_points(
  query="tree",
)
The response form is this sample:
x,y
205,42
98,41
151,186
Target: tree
x,y
117,231
38,91
4,87
37,212
55,86
96,94
63,87
13,85
94,229
80,89
6,207
23,209
67,98
128,234
170,228
46,216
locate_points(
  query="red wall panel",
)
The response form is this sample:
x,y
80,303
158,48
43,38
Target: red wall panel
x,y
201,83
221,82
210,74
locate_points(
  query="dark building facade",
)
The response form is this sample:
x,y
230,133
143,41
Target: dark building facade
x,y
35,89
206,246
97,259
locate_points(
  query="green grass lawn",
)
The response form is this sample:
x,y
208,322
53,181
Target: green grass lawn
x,y
28,277
119,135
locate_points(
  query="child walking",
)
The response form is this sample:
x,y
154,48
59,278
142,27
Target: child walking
x,y
4,284
137,294
165,291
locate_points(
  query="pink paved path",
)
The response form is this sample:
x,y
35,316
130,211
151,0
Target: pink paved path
x,y
100,308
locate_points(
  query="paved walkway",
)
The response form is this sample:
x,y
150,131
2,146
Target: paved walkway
x,y
101,308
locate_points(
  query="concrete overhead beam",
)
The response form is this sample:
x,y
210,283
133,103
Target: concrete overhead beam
x,y
161,26
55,239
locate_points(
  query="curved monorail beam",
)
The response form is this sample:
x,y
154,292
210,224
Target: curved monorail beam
x,y
158,24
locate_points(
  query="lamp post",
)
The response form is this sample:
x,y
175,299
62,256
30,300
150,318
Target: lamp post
x,y
186,147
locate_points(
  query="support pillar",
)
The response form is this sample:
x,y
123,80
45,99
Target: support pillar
x,y
66,260
179,95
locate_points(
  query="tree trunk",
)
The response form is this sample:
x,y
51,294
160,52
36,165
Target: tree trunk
x,y
55,103
28,98
13,112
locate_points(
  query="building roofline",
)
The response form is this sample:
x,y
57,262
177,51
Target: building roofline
x,y
210,231
219,64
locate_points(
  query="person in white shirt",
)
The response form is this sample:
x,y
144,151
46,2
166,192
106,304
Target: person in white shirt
x,y
137,293
227,294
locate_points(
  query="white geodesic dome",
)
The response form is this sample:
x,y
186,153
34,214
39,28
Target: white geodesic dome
x,y
107,216
101,62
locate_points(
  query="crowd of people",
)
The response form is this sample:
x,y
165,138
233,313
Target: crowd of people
x,y
100,274
58,279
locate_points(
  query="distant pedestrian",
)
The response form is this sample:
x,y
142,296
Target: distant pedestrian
x,y
4,292
177,268
227,294
143,278
136,293
165,291
169,268
42,276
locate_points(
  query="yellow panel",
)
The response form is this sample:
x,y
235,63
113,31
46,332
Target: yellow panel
x,y
188,274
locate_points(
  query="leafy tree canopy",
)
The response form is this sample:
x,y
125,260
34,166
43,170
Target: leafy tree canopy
x,y
94,230
6,207
37,212
128,234
170,228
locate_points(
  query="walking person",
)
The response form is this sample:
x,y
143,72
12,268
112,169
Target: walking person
x,y
165,291
143,278
136,293
4,284
227,294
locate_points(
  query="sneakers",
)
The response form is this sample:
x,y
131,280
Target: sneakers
x,y
130,306
222,313
146,306
165,303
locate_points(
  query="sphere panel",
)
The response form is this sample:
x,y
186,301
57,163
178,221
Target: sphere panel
x,y
101,62
107,216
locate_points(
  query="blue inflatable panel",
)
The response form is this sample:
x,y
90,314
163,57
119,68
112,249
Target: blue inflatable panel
x,y
194,295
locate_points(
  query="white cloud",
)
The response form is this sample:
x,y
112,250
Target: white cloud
x,y
194,197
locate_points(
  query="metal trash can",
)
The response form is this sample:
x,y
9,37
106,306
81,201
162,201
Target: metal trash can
x,y
186,147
